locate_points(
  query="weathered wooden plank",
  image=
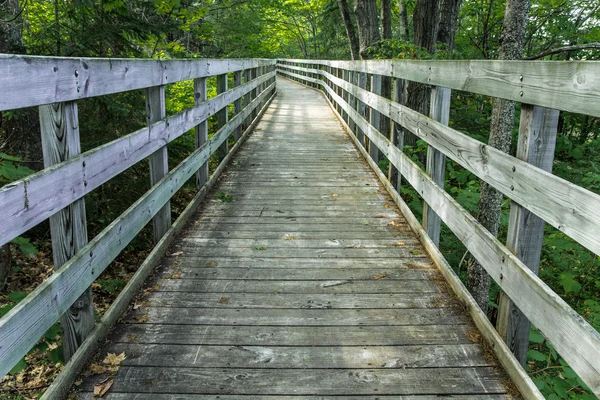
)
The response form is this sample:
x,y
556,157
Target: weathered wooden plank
x,y
293,242
201,129
293,335
536,144
308,381
156,110
254,262
436,160
26,323
576,340
382,357
359,229
155,396
59,124
288,301
27,202
569,86
59,79
568,207
299,287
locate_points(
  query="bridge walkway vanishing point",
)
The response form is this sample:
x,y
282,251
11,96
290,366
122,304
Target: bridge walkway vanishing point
x,y
298,278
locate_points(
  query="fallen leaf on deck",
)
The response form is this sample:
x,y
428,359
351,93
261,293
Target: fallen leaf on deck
x,y
114,359
379,276
101,388
96,369
174,275
177,253
399,243
210,264
223,300
141,319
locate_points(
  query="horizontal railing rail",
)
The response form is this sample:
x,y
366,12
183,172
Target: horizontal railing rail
x,y
26,203
570,208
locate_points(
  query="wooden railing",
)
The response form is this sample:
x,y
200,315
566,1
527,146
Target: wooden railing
x,y
57,192
543,88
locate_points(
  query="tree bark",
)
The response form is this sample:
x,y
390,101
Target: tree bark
x,y
503,114
425,22
404,33
386,19
368,25
350,31
448,19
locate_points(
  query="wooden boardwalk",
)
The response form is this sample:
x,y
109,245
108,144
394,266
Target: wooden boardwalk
x,y
307,285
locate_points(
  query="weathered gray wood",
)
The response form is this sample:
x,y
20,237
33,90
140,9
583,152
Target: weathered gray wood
x,y
223,115
517,374
59,79
301,243
436,160
568,207
156,396
201,130
569,86
362,108
159,160
59,124
247,96
27,202
62,384
536,144
375,116
237,81
400,96
340,382
26,323
384,357
551,314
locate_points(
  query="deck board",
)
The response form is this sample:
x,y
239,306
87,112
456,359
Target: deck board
x,y
308,285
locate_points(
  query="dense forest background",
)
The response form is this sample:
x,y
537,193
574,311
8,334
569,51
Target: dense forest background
x,y
317,29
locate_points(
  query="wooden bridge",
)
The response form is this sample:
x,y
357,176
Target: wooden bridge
x,y
297,272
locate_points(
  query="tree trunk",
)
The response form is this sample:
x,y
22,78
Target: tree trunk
x,y
448,18
350,32
404,33
511,48
386,19
368,25
425,22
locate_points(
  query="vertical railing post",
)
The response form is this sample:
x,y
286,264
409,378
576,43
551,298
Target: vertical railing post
x,y
237,105
352,101
436,160
376,88
400,90
201,130
344,76
362,108
222,115
536,144
59,125
159,160
254,75
247,99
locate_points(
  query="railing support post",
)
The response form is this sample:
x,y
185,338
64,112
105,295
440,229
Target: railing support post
x,y
400,91
362,108
59,125
436,161
247,99
237,105
222,116
376,118
536,144
159,160
201,130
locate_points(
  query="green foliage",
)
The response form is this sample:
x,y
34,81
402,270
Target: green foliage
x,y
111,286
224,197
25,246
11,170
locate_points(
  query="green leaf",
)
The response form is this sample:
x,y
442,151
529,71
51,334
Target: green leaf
x,y
5,309
9,157
56,355
16,297
569,284
21,365
535,355
25,246
536,337
53,332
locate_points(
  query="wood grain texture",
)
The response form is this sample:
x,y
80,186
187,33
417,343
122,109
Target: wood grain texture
x,y
59,125
576,340
201,129
156,110
29,201
26,323
59,79
237,105
222,114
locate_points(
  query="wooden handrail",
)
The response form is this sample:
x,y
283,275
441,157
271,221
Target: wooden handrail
x,y
27,202
572,209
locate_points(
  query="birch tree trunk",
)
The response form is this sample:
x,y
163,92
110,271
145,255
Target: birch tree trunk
x,y
368,25
350,31
503,114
